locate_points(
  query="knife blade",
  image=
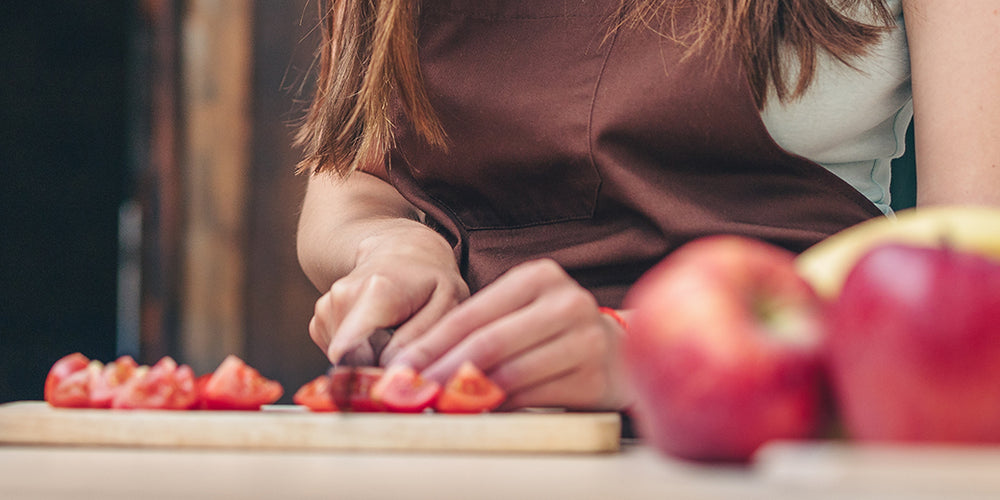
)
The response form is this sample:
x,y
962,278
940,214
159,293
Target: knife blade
x,y
366,353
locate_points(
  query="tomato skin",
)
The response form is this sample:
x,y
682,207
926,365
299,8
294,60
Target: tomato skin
x,y
67,383
351,388
105,384
199,386
164,386
316,395
237,386
402,390
469,390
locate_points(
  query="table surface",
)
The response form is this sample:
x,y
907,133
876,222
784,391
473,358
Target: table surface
x,y
782,471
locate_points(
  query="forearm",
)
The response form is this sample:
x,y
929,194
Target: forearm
x,y
344,221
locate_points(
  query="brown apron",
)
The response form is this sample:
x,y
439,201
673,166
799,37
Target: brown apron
x,y
604,155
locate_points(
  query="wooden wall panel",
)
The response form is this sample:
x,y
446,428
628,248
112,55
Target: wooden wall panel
x,y
216,66
227,80
279,298
158,185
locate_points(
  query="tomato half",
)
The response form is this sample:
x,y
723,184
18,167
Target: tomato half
x,y
351,388
402,390
67,384
106,383
469,390
237,386
315,395
164,386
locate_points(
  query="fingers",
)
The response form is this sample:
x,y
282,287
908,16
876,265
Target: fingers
x,y
444,299
537,334
355,308
325,320
561,354
548,325
376,306
585,388
499,303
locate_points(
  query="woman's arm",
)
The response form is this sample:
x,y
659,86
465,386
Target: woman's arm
x,y
338,215
362,244
955,58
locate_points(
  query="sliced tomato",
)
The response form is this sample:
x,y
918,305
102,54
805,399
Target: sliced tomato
x,y
316,395
403,390
236,385
469,390
351,388
67,384
105,383
164,386
200,383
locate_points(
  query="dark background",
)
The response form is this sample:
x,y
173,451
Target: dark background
x,y
66,143
63,150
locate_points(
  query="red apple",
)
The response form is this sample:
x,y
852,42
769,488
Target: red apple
x,y
724,350
914,346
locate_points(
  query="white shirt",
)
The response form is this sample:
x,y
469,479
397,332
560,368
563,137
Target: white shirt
x,y
851,120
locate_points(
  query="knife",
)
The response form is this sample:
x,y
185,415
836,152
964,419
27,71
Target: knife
x,y
367,353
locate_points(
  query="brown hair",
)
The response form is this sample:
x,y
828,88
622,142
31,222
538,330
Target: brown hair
x,y
368,56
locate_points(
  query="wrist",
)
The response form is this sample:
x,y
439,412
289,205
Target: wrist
x,y
615,315
395,238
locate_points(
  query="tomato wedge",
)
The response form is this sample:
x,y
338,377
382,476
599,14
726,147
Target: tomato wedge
x,y
351,388
164,386
469,390
67,384
106,383
237,386
402,390
316,395
200,383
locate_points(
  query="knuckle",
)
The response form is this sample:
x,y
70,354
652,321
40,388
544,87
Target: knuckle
x,y
543,271
341,290
547,268
319,307
573,301
378,283
316,332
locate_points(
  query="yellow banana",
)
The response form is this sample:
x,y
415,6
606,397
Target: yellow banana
x,y
965,228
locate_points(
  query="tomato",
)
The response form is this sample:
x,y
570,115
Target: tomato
x,y
401,389
200,383
351,388
469,391
316,395
105,383
236,386
68,383
164,386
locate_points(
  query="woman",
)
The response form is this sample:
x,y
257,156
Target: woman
x,y
486,176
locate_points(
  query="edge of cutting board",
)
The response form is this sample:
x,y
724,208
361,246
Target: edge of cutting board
x,y
289,427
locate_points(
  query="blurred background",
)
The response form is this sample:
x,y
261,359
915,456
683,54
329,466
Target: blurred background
x,y
148,200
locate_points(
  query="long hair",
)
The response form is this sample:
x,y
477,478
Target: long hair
x,y
368,57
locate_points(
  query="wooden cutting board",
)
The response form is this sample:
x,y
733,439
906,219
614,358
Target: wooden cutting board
x,y
287,427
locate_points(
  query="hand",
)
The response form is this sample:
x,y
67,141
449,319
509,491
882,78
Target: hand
x,y
405,277
536,333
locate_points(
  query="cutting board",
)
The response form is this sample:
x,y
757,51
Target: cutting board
x,y
288,427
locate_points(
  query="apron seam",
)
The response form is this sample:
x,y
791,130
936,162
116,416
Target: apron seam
x,y
590,122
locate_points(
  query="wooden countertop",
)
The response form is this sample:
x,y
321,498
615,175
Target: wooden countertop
x,y
784,471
